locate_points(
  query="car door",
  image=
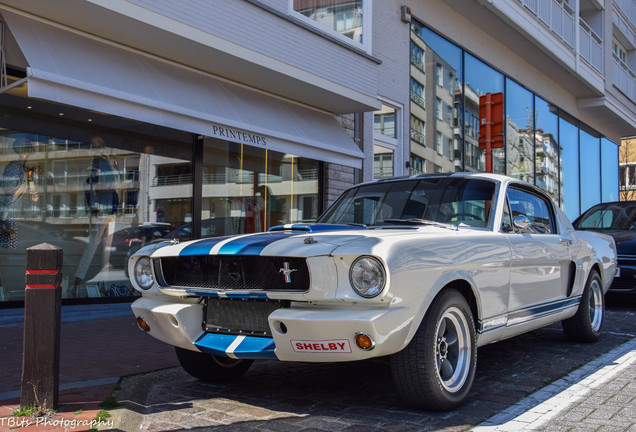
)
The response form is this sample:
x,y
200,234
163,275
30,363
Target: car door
x,y
541,263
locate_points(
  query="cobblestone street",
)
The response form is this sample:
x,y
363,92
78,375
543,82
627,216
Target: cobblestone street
x,y
361,397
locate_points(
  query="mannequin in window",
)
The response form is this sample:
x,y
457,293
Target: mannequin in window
x,y
17,178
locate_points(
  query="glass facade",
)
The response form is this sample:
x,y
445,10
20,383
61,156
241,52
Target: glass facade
x,y
101,187
542,144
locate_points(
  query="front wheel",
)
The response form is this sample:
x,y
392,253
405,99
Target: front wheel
x,y
436,370
587,324
208,367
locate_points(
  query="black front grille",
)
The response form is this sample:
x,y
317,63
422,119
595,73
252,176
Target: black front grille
x,y
240,316
624,283
231,272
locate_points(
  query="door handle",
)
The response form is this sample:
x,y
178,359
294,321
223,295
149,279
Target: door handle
x,y
566,242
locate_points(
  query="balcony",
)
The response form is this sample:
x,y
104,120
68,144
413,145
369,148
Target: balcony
x,y
623,78
559,17
418,99
590,46
628,7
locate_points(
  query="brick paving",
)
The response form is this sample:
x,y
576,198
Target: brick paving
x,y
94,354
537,381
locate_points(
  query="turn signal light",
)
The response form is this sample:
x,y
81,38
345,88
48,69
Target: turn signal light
x,y
143,324
364,341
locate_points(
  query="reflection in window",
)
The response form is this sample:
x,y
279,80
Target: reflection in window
x,y
100,200
569,140
519,126
418,132
417,93
248,189
443,66
417,56
609,161
342,17
535,208
547,148
590,160
481,79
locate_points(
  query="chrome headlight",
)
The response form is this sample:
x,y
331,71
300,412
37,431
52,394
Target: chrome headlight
x,y
143,273
367,276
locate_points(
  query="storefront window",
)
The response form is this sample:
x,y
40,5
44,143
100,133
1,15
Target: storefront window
x,y
248,189
547,148
99,195
481,79
519,126
609,167
439,106
569,139
590,160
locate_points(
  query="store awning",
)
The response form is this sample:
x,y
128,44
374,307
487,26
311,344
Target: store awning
x,y
75,69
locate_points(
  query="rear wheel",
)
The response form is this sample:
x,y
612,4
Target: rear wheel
x,y
208,367
587,324
436,370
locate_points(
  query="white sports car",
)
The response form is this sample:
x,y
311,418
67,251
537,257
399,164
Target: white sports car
x,y
423,269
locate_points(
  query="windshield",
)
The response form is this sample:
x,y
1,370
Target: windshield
x,y
617,216
459,201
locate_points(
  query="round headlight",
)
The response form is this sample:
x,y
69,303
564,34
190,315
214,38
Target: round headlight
x,y
143,273
367,276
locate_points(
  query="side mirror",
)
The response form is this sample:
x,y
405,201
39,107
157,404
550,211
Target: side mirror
x,y
521,222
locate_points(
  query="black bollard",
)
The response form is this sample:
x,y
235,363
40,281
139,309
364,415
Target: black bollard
x,y
42,322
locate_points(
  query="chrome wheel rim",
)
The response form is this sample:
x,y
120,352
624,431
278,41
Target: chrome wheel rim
x,y
453,349
596,305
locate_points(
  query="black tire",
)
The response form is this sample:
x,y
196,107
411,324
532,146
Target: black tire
x,y
436,370
208,367
587,324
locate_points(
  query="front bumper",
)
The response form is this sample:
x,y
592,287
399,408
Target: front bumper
x,y
308,334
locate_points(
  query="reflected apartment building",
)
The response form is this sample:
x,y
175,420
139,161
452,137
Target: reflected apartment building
x,y
166,122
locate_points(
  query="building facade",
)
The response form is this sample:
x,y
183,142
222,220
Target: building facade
x,y
124,122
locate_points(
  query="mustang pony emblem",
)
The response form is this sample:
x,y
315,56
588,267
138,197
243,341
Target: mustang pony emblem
x,y
285,270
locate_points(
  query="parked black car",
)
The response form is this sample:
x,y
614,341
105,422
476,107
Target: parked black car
x,y
127,241
617,219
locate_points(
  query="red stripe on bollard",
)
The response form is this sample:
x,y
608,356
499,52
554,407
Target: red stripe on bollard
x,y
42,286
42,271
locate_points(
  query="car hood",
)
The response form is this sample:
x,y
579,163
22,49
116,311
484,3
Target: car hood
x,y
295,240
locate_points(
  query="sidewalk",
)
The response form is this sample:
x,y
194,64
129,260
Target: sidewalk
x,y
599,396
513,393
93,356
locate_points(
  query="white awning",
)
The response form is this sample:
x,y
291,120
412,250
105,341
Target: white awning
x,y
75,69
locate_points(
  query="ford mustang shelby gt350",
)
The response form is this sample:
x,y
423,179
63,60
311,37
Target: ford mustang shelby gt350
x,y
423,269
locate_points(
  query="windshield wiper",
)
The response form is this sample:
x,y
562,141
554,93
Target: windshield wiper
x,y
418,221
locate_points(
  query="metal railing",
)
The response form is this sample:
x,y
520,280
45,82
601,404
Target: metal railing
x,y
628,7
558,16
590,46
418,137
624,78
419,100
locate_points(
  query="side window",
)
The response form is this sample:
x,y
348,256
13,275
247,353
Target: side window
x,y
506,221
536,208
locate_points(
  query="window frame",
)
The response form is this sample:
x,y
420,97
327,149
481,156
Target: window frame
x,y
552,219
366,43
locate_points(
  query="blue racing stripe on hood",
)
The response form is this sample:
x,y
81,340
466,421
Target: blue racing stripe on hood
x,y
253,244
201,247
